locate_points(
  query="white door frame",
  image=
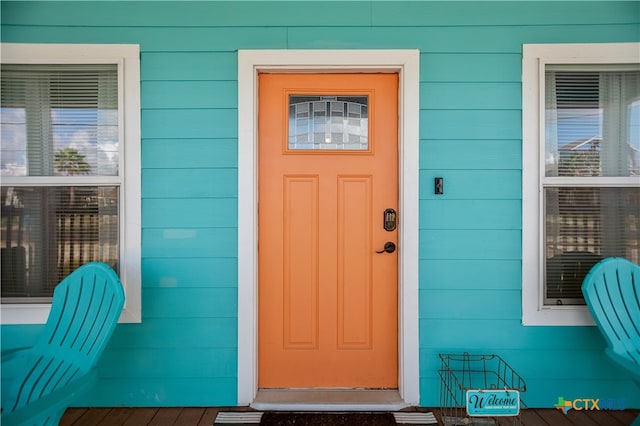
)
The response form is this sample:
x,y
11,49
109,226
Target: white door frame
x,y
407,64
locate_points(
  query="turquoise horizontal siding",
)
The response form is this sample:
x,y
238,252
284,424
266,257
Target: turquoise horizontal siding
x,y
171,333
193,14
470,95
354,13
478,124
203,212
190,183
348,13
189,94
175,363
199,302
527,364
497,336
471,154
152,392
194,272
470,214
161,39
471,13
189,65
472,184
470,304
190,123
499,39
478,244
191,242
471,66
471,274
470,263
183,153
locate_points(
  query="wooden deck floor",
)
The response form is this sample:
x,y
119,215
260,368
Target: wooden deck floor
x,y
173,416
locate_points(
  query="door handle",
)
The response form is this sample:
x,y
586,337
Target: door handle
x,y
389,247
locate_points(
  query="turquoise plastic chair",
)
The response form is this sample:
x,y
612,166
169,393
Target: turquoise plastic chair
x,y
612,292
61,366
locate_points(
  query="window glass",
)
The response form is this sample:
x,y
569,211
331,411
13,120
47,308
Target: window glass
x,y
583,226
57,121
592,131
592,123
47,232
328,122
13,124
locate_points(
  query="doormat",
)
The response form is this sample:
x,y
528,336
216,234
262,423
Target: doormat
x,y
237,418
273,418
415,418
327,419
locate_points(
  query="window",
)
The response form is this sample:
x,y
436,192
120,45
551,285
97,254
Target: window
x,y
581,171
70,170
328,122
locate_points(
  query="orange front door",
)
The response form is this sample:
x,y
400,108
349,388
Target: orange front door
x,y
328,170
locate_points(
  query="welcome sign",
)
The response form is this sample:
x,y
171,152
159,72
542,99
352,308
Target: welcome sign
x,y
492,402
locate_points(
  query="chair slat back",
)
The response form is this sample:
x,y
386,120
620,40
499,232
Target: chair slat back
x,y
612,292
84,312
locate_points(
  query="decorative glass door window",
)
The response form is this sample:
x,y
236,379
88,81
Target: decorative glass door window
x,y
328,122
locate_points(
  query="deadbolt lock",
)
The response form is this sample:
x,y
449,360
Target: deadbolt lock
x,y
390,219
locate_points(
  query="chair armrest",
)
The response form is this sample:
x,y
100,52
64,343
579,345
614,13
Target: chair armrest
x,y
9,354
13,363
56,401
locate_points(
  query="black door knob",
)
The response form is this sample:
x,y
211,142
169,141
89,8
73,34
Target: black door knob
x,y
389,247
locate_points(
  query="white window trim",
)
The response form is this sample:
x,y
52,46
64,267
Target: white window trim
x,y
127,57
407,64
535,57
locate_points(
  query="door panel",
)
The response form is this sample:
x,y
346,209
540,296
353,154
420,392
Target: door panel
x,y
327,304
354,283
300,268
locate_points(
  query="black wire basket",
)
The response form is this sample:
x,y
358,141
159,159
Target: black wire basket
x,y
476,373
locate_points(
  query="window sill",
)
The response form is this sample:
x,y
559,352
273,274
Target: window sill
x,y
557,316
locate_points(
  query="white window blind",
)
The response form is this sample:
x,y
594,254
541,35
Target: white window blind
x,y
59,120
60,149
592,134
